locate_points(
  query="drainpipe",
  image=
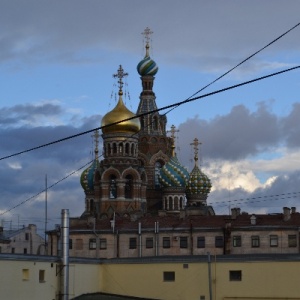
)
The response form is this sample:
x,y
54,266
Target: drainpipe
x,y
65,253
140,239
97,238
156,230
209,276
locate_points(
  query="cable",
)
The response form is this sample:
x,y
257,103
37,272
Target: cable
x,y
51,186
166,107
155,110
261,198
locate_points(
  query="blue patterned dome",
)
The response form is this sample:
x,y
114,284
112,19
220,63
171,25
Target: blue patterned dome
x,y
173,174
147,66
87,176
198,183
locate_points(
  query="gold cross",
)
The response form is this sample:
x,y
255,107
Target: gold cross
x,y
120,74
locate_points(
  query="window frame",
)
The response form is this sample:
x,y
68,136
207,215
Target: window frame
x,y
237,241
92,244
103,244
169,276
235,275
166,242
183,242
132,243
201,242
219,241
149,243
273,237
292,240
255,241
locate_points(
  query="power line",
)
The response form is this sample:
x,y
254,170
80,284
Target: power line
x,y
51,186
155,110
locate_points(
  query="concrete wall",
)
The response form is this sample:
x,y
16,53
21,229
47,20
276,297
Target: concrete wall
x,y
262,277
260,280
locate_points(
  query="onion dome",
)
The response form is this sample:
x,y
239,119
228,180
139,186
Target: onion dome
x,y
147,66
173,174
199,184
119,113
88,175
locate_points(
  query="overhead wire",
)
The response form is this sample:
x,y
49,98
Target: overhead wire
x,y
155,110
170,107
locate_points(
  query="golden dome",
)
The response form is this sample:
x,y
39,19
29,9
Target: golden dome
x,y
119,113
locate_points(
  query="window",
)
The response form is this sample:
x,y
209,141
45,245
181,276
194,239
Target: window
x,y
25,250
237,241
255,241
112,187
183,242
12,250
158,166
103,244
273,240
219,241
235,275
41,275
292,240
169,276
92,244
201,242
26,236
128,187
132,243
166,242
25,274
185,266
79,244
149,242
70,244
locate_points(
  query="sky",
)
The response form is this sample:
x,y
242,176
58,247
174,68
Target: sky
x,y
57,60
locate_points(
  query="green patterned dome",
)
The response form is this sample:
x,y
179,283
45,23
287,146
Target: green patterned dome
x,y
88,175
198,183
147,66
173,174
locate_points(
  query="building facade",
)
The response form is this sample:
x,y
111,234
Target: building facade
x,y
22,241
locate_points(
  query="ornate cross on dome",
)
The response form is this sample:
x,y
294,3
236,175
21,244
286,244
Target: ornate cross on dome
x,y
173,131
147,32
196,143
96,136
120,74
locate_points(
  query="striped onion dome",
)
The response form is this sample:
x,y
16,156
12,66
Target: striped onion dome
x,y
147,66
87,176
173,174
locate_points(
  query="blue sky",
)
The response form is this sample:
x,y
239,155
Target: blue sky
x,y
56,65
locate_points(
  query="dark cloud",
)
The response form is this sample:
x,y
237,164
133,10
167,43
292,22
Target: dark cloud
x,y
56,31
27,113
234,136
291,127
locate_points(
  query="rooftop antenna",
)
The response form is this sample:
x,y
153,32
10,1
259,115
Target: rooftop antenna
x,y
46,211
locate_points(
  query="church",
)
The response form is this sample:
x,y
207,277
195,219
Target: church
x,y
140,201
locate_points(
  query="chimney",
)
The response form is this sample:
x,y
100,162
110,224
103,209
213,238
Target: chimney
x,y
253,220
293,209
286,213
235,212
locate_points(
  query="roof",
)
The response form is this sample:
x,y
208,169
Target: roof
x,y
175,222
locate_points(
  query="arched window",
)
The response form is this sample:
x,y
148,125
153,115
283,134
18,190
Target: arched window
x,y
92,207
128,186
127,148
114,148
158,166
112,187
